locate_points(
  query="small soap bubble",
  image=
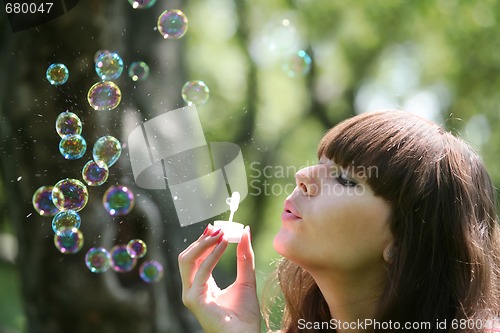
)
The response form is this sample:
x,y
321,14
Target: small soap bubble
x,y
57,74
172,24
68,123
106,151
298,64
72,146
68,240
99,53
70,194
42,201
98,260
195,92
118,200
66,219
109,66
151,271
138,71
94,175
137,248
104,96
142,4
121,261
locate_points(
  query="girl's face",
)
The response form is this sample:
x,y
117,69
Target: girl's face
x,y
333,221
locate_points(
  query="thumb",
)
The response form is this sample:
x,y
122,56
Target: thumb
x,y
246,260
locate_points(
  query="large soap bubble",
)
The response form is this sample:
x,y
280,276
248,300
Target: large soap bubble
x,y
94,175
138,71
109,66
57,74
118,200
104,96
72,146
42,201
121,261
106,151
172,24
195,92
70,194
68,240
98,260
66,219
68,123
151,271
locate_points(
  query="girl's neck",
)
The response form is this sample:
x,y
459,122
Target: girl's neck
x,y
351,298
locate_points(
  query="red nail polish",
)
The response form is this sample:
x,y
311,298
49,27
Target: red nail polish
x,y
215,233
205,232
220,240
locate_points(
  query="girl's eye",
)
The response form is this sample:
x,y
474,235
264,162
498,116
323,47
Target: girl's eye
x,y
345,182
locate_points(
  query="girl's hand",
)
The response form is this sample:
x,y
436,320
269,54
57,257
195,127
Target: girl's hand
x,y
232,310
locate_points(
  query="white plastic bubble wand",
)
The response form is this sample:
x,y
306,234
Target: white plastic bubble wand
x,y
232,230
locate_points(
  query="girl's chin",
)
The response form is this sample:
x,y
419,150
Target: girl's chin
x,y
283,241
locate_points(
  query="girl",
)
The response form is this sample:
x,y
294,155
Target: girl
x,y
395,229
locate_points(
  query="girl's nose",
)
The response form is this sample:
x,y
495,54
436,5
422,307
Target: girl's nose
x,y
308,180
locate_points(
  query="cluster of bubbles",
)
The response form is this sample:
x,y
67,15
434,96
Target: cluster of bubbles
x,y
122,259
69,196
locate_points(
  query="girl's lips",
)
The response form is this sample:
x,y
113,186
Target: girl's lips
x,y
289,216
289,212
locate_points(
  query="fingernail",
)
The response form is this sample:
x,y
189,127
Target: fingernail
x,y
205,232
249,233
215,233
220,240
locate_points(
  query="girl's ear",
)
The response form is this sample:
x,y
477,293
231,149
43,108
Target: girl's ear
x,y
389,253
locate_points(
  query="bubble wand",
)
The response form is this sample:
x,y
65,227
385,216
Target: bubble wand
x,y
232,230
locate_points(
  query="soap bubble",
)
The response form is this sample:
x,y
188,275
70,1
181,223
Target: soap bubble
x,y
42,201
68,240
98,260
138,71
57,74
142,4
118,200
94,175
172,24
70,194
68,123
109,66
151,271
195,92
72,146
99,53
298,64
137,248
106,151
121,261
104,96
66,219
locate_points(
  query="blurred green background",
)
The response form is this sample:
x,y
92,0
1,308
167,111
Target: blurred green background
x,y
439,59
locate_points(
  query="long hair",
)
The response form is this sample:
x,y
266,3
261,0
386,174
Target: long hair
x,y
444,223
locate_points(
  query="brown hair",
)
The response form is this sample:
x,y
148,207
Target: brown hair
x,y
444,223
